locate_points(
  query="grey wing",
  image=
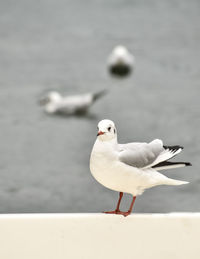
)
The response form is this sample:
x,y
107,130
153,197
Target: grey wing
x,y
140,154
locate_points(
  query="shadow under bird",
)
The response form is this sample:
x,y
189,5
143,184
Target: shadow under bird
x,y
131,168
121,62
55,103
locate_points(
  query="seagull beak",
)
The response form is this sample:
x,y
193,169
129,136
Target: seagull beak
x,y
44,101
100,133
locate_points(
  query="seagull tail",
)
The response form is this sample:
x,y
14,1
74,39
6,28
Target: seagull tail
x,y
99,94
170,181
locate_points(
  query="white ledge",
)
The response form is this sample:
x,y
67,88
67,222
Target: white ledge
x,y
93,236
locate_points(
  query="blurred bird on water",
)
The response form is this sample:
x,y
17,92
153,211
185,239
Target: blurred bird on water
x,y
120,62
55,103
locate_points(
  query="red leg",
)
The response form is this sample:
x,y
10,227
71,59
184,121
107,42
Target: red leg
x,y
117,210
125,214
119,201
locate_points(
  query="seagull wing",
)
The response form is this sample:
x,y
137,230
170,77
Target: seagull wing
x,y
146,155
76,103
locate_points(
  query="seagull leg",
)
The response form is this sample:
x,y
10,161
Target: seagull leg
x,y
117,210
119,201
125,214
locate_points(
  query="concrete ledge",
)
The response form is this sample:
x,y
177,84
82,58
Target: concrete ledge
x,y
97,236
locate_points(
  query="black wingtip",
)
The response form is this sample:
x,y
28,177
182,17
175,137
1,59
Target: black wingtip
x,y
173,148
99,94
168,163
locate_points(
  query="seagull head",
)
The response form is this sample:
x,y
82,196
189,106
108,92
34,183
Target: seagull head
x,y
120,50
120,54
52,97
106,130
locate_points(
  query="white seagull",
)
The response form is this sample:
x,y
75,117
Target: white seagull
x,y
120,62
54,102
131,168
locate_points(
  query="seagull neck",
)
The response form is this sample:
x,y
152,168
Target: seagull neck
x,y
112,142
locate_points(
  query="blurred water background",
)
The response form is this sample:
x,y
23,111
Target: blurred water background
x,y
63,45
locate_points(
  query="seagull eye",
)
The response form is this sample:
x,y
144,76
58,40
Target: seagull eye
x,y
109,128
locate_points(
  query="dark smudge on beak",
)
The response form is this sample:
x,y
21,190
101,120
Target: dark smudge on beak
x,y
100,133
44,101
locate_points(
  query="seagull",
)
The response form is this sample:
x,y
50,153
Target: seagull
x,y
131,168
120,62
54,102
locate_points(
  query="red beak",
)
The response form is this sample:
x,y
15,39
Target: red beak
x,y
100,133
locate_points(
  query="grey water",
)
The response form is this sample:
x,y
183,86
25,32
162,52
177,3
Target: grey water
x,y
63,45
